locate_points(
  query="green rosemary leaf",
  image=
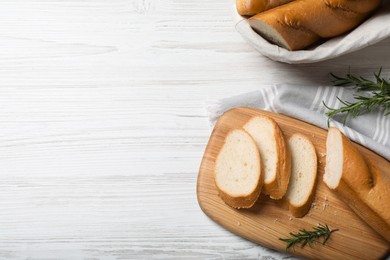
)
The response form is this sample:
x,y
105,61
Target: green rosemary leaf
x,y
306,237
377,96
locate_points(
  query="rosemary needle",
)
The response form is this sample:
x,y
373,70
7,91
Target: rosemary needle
x,y
377,96
305,237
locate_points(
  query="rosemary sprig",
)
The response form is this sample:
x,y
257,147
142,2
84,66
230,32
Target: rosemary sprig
x,y
305,237
377,95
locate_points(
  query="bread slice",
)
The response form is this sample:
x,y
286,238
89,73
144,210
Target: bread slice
x,y
238,170
252,7
276,158
360,184
301,189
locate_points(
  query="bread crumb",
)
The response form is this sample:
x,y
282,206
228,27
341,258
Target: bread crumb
x,y
290,218
324,206
322,155
313,205
275,220
238,223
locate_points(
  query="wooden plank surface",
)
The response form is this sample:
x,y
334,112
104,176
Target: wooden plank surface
x,y
103,127
269,220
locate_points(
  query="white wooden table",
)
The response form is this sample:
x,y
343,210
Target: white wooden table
x,y
102,125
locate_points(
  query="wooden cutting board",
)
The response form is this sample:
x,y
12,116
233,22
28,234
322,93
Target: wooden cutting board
x,y
269,220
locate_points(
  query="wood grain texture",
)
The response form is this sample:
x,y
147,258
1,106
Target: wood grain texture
x,y
269,220
103,126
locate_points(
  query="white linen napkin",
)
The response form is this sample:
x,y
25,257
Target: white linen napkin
x,y
373,30
371,130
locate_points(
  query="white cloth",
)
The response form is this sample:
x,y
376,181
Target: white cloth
x,y
373,30
371,130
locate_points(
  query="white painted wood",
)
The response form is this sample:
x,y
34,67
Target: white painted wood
x,y
103,126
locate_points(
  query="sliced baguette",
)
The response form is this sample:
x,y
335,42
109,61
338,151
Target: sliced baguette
x,y
301,189
359,183
238,170
252,7
276,158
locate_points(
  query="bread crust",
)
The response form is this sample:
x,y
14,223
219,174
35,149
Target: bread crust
x,y
252,7
301,23
277,189
245,201
241,201
365,188
302,210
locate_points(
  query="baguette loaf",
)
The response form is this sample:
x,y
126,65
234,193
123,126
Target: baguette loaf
x,y
238,170
276,158
301,23
252,7
359,183
301,189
